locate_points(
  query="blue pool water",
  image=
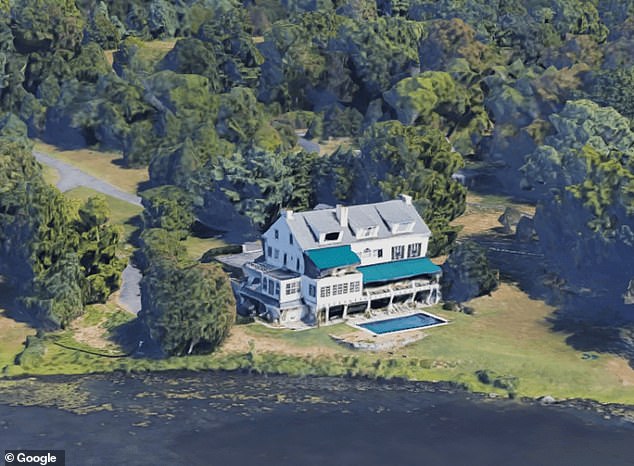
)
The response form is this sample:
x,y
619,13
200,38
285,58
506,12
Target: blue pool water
x,y
398,324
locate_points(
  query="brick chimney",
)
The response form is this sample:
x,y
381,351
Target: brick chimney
x,y
342,215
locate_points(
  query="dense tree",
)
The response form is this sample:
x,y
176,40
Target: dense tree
x,y
419,162
381,52
56,256
614,88
97,251
187,307
229,35
256,184
168,207
102,29
46,25
466,273
302,69
585,174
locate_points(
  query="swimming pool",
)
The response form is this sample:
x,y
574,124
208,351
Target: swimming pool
x,y
399,324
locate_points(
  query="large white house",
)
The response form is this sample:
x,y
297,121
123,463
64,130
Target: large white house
x,y
332,262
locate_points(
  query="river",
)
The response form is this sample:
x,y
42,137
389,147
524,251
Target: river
x,y
183,418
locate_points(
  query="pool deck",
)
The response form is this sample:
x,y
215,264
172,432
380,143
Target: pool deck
x,y
398,312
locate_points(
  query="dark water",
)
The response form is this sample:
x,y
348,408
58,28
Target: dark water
x,y
219,419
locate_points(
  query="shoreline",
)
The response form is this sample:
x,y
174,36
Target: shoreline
x,y
608,412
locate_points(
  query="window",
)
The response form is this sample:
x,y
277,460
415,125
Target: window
x,y
271,287
312,291
285,258
277,253
324,292
290,238
277,288
355,287
269,251
398,252
297,266
292,288
345,288
413,250
338,289
265,284
277,234
332,236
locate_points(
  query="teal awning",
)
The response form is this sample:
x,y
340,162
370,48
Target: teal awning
x,y
329,258
397,270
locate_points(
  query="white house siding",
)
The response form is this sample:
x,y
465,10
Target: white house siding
x,y
335,287
292,285
298,297
275,248
386,245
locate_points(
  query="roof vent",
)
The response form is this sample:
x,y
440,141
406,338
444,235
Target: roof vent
x,y
406,199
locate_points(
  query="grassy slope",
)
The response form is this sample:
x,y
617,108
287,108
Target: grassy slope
x,y
103,165
508,335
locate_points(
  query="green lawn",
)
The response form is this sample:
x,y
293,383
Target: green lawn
x,y
51,176
103,165
196,247
123,213
509,337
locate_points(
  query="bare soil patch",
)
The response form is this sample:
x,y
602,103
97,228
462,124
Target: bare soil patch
x,y
240,337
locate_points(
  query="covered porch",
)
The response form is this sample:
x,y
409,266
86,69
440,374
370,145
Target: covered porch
x,y
422,292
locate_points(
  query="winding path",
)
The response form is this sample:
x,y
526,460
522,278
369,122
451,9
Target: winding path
x,y
71,177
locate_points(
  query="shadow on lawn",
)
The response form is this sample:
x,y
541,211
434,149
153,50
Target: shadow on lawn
x,y
594,320
134,340
12,309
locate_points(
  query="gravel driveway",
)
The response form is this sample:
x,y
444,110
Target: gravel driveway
x,y
71,177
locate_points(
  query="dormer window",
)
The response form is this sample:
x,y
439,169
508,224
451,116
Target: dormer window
x,y
332,236
365,231
404,227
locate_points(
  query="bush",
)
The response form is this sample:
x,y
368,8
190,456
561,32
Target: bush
x,y
213,252
466,273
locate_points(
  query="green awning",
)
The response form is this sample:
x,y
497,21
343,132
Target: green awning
x,y
329,258
397,270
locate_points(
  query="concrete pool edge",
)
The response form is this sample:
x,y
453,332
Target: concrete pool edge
x,y
358,325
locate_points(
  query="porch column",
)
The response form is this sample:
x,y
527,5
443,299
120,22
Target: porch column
x,y
327,314
345,311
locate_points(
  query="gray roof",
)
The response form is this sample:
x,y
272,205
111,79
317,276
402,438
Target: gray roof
x,y
306,226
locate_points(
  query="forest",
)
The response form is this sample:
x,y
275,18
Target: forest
x,y
538,93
